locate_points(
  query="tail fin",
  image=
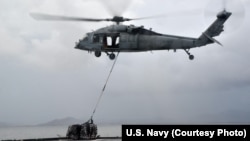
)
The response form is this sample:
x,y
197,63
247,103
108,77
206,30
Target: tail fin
x,y
214,30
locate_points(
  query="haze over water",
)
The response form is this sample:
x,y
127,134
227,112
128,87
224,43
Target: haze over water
x,y
34,132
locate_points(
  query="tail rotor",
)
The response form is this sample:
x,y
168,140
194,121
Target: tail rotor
x,y
236,7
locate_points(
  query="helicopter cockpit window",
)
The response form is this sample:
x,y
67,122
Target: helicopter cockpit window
x,y
85,38
96,38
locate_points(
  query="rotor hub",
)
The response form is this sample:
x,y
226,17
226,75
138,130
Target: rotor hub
x,y
118,19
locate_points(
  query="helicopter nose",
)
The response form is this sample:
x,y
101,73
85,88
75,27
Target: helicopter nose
x,y
77,45
80,45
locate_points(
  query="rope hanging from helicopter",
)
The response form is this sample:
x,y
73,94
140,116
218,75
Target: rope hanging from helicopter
x,y
104,87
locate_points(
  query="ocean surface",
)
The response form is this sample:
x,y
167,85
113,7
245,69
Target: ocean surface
x,y
33,132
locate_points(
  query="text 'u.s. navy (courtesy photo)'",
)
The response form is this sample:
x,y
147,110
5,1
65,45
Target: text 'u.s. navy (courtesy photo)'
x,y
172,132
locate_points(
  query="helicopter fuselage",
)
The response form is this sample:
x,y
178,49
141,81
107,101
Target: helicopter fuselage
x,y
123,38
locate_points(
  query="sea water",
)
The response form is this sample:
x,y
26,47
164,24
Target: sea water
x,y
34,132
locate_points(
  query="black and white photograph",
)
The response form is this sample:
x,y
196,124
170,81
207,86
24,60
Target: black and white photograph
x,y
80,69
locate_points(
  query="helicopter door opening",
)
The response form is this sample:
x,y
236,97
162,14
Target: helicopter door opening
x,y
112,41
109,41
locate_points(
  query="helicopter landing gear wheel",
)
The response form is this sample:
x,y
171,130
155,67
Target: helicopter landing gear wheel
x,y
98,53
191,57
112,56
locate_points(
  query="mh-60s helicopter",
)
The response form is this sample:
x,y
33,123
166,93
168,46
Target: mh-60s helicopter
x,y
123,38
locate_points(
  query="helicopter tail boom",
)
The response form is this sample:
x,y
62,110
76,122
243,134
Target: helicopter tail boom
x,y
214,30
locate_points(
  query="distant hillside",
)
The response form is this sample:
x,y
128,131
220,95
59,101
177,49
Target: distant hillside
x,y
65,121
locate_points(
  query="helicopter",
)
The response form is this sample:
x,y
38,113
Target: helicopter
x,y
131,38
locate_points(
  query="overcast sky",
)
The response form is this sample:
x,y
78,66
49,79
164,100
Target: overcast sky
x,y
42,76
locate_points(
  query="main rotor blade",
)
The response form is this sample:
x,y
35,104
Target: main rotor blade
x,y
149,17
173,14
39,16
116,19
